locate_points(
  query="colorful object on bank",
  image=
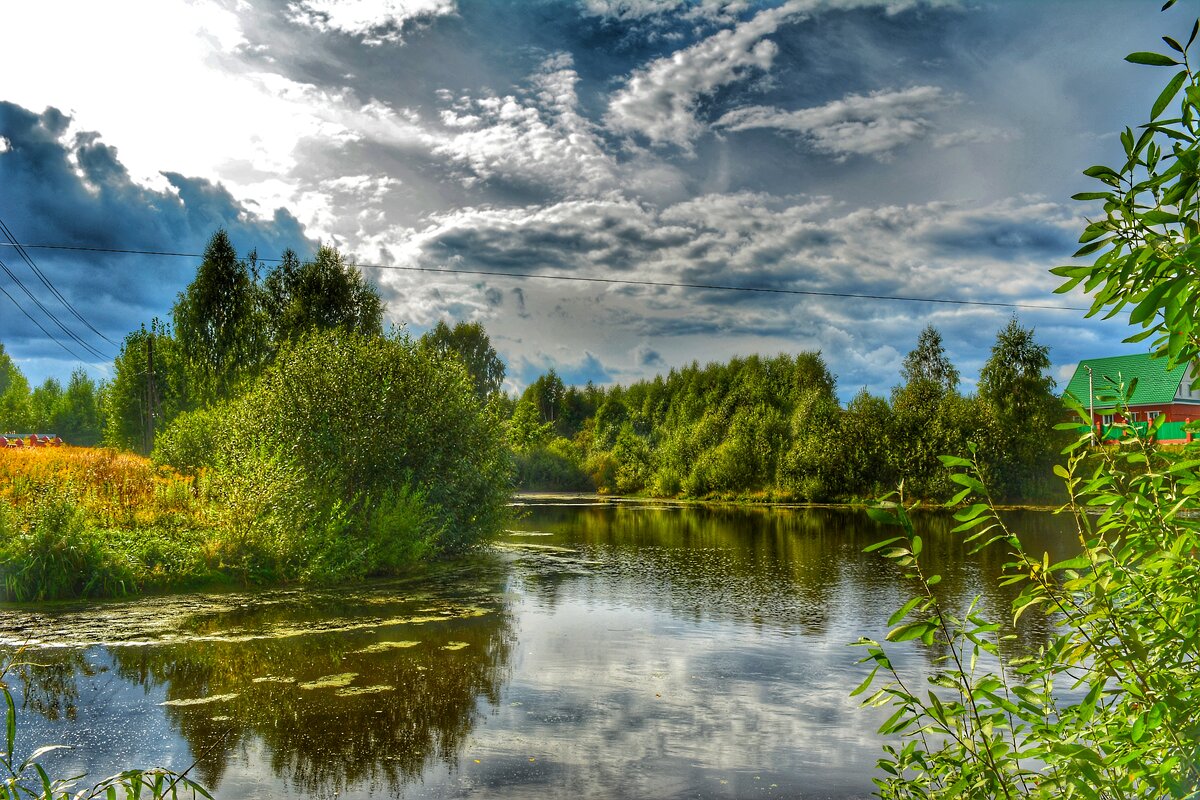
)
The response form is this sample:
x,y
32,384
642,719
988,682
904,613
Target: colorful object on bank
x,y
1099,384
30,440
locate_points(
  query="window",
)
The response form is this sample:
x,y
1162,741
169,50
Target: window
x,y
1132,415
1153,415
1106,420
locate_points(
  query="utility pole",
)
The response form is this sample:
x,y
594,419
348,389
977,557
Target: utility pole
x,y
1091,404
151,393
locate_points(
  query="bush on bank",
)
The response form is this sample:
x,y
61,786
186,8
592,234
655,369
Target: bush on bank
x,y
352,455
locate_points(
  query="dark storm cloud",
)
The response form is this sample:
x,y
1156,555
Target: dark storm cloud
x,y
73,190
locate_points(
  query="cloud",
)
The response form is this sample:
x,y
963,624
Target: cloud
x,y
540,140
629,10
873,124
375,22
76,191
659,100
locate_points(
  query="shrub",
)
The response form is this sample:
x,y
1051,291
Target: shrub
x,y
347,440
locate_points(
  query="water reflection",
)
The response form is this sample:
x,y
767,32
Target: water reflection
x,y
335,689
602,651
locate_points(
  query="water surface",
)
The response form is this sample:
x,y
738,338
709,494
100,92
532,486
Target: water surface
x,y
598,651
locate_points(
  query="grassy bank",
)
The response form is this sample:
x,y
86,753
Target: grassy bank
x,y
81,522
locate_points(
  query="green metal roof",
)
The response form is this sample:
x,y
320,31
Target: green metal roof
x,y
1155,383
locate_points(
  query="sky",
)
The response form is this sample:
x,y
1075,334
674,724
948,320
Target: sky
x,y
863,147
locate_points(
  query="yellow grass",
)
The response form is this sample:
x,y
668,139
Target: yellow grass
x,y
109,484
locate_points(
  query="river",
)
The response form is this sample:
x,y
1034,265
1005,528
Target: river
x,y
600,650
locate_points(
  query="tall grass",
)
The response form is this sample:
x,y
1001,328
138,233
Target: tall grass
x,y
80,522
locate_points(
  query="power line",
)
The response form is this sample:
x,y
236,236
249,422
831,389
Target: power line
x,y
40,326
34,298
591,279
48,284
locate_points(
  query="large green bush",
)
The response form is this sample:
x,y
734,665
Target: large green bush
x,y
351,455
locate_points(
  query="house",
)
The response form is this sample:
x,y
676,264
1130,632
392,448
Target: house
x,y
1173,393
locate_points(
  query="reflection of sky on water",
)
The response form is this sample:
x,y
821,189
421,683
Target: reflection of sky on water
x,y
629,653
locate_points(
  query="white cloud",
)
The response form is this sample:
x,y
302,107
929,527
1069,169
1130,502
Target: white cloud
x,y
541,139
639,9
659,100
873,124
376,22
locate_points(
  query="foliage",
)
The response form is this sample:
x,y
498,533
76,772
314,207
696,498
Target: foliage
x,y
54,554
218,324
1106,708
554,465
773,427
1018,394
469,342
28,780
346,436
1144,247
321,294
16,410
928,363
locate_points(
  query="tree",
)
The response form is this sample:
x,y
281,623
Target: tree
x,y
1126,635
322,294
1019,395
547,393
927,362
469,342
46,402
16,411
219,324
929,418
79,418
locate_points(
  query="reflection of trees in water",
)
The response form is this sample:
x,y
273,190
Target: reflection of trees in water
x,y
48,680
782,567
770,566
323,740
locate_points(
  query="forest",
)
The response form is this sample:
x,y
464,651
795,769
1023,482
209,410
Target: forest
x,y
772,428
757,427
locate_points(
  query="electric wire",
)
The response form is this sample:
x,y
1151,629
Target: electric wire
x,y
49,284
53,318
41,327
593,279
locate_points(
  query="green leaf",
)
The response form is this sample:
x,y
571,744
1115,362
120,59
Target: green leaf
x,y
1151,59
1091,196
902,612
873,547
1168,94
1100,171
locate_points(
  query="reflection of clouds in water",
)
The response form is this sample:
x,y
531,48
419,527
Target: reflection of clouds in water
x,y
647,706
620,653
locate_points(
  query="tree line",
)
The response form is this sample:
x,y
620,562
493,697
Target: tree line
x,y
773,427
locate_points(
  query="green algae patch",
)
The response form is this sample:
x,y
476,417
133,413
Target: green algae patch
x,y
383,647
199,701
455,645
330,681
275,679
539,548
352,691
